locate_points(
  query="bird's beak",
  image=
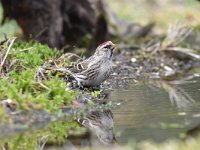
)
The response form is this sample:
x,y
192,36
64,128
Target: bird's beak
x,y
113,47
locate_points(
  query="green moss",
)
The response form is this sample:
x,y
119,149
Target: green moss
x,y
54,133
21,87
32,54
95,94
48,95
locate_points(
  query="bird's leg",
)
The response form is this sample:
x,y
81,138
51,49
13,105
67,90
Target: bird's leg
x,y
80,86
99,87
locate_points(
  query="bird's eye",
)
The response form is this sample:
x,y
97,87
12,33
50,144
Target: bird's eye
x,y
107,46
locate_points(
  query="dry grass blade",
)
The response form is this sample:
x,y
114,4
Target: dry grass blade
x,y
57,67
43,86
40,75
42,142
6,54
153,46
176,34
186,51
25,49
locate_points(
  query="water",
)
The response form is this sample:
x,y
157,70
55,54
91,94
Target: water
x,y
146,112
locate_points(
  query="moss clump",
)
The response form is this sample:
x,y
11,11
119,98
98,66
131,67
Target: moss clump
x,y
25,91
18,83
32,54
54,133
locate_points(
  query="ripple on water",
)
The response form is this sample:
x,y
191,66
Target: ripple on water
x,y
155,110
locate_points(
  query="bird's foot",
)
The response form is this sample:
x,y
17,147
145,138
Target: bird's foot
x,y
80,86
97,87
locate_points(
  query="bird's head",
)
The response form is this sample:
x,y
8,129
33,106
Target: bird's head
x,y
105,49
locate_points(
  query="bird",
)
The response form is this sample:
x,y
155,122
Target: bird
x,y
94,70
101,125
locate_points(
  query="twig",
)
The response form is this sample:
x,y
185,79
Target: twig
x,y
41,73
41,32
8,50
186,51
177,33
25,49
43,141
44,86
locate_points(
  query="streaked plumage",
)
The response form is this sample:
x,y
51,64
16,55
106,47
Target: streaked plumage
x,y
101,124
97,68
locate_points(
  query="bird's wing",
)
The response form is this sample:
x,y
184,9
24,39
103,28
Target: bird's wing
x,y
81,66
90,72
92,118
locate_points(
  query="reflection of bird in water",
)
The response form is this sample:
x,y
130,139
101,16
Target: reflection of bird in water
x,y
101,124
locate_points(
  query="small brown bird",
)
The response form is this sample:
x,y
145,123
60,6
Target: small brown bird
x,y
97,68
101,124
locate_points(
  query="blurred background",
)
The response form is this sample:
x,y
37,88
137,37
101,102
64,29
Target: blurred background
x,y
81,22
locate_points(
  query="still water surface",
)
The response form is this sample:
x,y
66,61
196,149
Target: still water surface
x,y
145,110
